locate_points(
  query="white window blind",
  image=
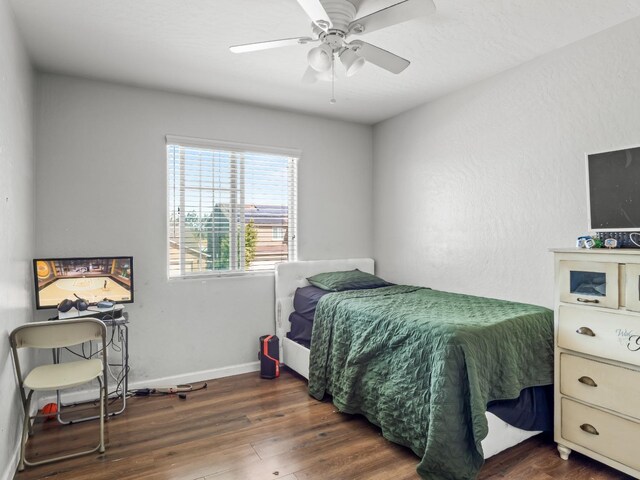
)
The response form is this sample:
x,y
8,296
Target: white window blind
x,y
224,203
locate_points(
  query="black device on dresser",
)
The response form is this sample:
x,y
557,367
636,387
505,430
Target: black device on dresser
x,y
623,239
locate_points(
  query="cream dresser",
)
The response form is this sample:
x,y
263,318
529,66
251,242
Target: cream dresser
x,y
597,355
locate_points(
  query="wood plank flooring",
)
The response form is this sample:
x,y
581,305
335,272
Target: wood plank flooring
x,y
243,428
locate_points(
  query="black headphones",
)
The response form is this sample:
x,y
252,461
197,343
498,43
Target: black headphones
x,y
80,304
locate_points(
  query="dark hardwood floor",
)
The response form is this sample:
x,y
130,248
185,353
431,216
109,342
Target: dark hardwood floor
x,y
244,427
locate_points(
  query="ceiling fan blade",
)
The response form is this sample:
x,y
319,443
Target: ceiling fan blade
x,y
285,42
316,12
376,55
398,13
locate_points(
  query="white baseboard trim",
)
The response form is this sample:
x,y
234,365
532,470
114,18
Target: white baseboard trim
x,y
12,466
203,375
198,376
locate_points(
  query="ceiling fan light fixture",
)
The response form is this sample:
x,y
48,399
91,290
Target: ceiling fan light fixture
x,y
352,62
324,76
320,57
310,76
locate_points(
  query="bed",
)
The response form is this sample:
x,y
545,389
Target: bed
x,y
289,277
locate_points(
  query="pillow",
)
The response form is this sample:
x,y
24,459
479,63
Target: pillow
x,y
348,280
306,300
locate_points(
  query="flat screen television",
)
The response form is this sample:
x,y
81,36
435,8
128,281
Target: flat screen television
x,y
92,278
613,190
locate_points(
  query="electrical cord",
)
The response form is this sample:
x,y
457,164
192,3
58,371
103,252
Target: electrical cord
x,y
116,347
76,353
115,378
122,374
118,391
107,316
154,392
91,354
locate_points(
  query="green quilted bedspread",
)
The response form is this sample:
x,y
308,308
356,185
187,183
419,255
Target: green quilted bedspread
x,y
423,364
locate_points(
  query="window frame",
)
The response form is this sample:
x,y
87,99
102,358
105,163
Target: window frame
x,y
196,142
281,233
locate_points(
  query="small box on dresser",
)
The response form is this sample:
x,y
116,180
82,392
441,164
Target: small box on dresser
x,y
597,355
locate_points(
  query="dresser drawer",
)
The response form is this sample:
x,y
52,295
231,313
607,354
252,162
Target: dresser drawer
x,y
616,437
608,335
600,384
589,283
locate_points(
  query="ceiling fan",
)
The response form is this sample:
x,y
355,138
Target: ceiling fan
x,y
333,23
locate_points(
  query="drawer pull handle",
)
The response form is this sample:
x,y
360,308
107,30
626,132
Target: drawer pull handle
x,y
585,427
586,331
588,381
586,300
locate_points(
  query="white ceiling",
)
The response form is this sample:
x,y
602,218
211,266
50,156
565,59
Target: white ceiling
x,y
182,45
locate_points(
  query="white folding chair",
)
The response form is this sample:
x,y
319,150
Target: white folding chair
x,y
59,376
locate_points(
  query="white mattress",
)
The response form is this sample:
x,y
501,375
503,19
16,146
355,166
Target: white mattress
x,y
291,275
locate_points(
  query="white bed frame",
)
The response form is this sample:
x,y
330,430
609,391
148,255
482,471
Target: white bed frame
x,y
292,275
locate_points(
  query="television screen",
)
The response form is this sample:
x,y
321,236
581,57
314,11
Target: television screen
x,y
614,190
94,279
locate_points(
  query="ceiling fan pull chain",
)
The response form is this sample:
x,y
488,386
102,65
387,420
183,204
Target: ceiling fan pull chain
x,y
333,79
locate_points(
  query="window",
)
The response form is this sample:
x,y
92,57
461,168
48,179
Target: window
x,y
226,203
277,234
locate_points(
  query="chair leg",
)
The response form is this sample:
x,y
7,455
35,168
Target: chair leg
x,y
106,393
26,427
30,431
102,413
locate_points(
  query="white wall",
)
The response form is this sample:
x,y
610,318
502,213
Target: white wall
x,y
17,212
101,190
471,190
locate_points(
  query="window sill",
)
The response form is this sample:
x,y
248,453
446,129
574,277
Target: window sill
x,y
218,276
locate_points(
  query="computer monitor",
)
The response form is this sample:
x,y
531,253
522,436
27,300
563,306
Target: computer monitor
x,y
613,190
92,278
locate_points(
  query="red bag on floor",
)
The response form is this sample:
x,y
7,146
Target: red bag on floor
x,y
269,356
